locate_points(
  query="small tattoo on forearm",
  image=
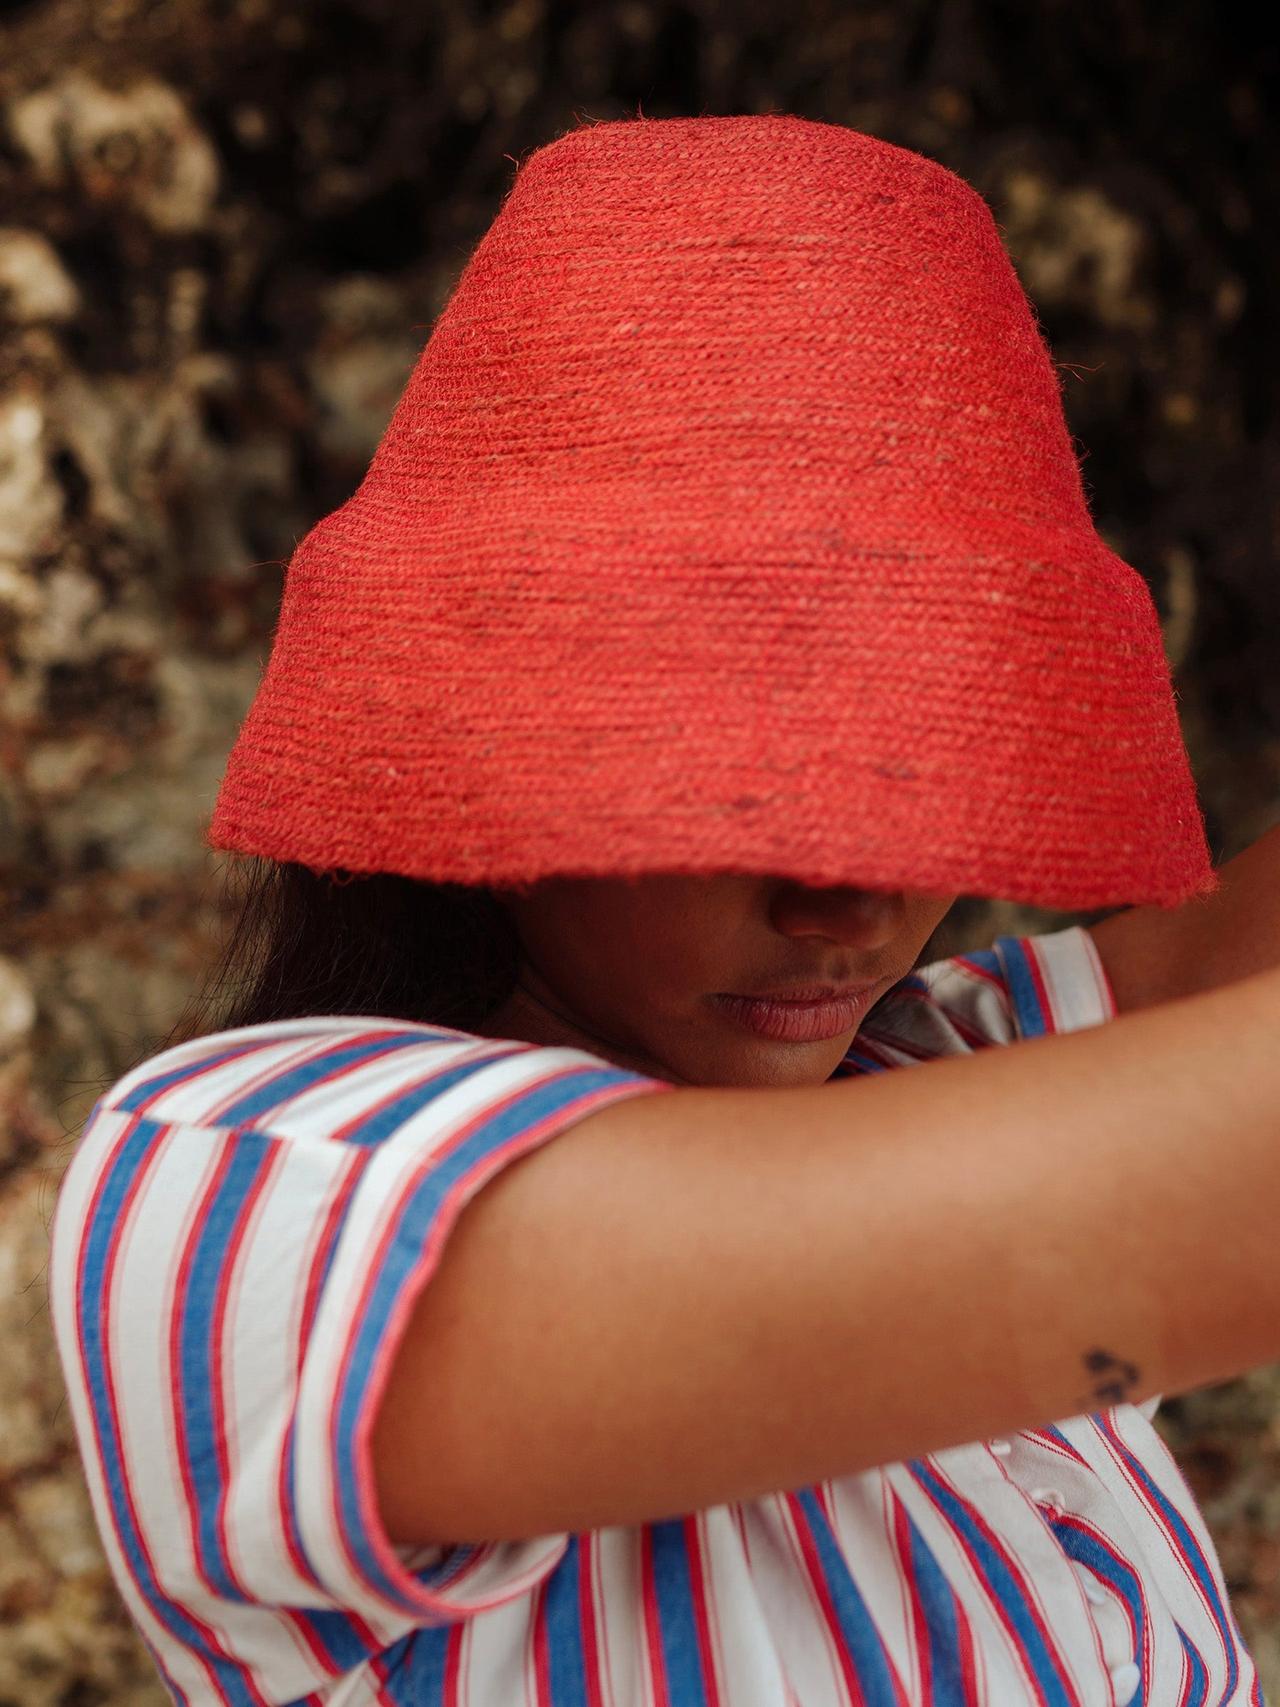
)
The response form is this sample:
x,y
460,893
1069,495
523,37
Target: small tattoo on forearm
x,y
1113,1377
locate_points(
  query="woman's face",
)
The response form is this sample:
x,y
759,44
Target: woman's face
x,y
630,968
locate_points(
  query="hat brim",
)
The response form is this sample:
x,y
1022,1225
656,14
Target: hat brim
x,y
964,704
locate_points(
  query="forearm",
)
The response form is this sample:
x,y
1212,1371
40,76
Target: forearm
x,y
1154,954
1236,932
1136,1215
704,1295
1049,1228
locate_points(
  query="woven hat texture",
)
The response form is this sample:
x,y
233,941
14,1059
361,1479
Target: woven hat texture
x,y
729,521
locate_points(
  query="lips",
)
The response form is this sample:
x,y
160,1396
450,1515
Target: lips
x,y
800,1021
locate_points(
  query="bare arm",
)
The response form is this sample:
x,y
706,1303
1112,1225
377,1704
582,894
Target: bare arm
x,y
714,1293
1156,954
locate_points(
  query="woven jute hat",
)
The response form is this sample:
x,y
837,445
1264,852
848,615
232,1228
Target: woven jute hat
x,y
729,521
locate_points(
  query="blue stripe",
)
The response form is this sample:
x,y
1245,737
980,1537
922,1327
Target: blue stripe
x,y
250,1154
1055,1433
677,1626
1190,1546
403,1259
292,1081
1199,1692
158,1082
336,1635
100,1233
1121,1577
1004,1584
1032,1021
851,1062
334,1628
416,1667
941,1615
566,1656
985,959
384,1122
862,1640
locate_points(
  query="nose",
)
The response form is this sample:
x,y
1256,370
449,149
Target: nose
x,y
863,919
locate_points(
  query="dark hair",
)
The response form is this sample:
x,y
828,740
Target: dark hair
x,y
304,942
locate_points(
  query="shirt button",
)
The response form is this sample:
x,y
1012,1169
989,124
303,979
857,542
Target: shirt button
x,y
1125,1680
1094,1592
1001,1448
1050,1497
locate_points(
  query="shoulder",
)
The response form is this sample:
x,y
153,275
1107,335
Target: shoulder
x,y
228,1114
233,1077
237,1242
336,1078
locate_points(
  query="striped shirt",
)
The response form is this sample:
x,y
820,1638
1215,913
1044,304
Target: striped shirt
x,y
238,1238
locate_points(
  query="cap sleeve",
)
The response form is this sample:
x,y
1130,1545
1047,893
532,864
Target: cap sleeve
x,y
1022,987
1056,981
228,1293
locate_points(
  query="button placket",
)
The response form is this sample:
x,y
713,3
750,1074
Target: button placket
x,y
1125,1680
1125,1675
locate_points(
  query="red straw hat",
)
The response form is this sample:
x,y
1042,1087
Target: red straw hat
x,y
729,521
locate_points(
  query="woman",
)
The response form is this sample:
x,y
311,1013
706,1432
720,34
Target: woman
x,y
721,603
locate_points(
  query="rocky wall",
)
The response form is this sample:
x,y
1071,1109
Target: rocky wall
x,y
226,227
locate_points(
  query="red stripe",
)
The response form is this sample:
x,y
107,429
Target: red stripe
x,y
969,1034
382,1674
964,1031
207,1635
359,1160
1104,1425
739,1518
822,1594
997,1604
1125,1567
1185,1695
308,1054
484,1056
193,1077
588,1546
1036,968
867,1043
982,975
1063,1448
270,1165
284,1499
296,1619
452,1667
919,1623
337,1209
1101,977
965,1647
178,1311
541,1644
293,1618
702,1622
968,1654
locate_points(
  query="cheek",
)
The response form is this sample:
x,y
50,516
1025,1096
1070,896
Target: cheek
x,y
644,959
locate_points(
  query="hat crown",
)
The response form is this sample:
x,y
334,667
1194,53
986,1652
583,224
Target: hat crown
x,y
729,521
718,305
